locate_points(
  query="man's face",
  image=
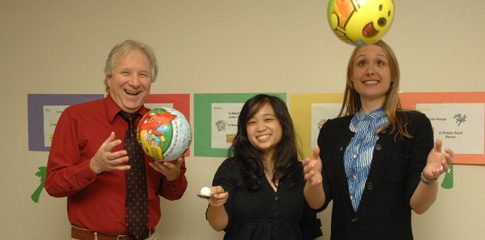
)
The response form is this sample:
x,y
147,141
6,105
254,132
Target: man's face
x,y
129,83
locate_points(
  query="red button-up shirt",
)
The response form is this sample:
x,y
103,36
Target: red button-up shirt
x,y
97,202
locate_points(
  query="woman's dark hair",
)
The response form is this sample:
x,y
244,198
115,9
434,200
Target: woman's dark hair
x,y
286,164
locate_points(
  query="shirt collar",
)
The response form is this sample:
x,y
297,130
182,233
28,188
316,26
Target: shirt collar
x,y
112,108
377,116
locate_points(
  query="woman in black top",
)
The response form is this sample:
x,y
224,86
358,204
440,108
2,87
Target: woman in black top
x,y
378,159
258,191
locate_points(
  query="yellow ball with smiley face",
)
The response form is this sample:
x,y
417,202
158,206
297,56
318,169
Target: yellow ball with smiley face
x,y
360,22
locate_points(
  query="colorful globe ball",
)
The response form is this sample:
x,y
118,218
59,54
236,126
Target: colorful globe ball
x,y
360,22
164,134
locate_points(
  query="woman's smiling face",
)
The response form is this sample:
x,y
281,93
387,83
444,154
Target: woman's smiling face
x,y
264,130
371,75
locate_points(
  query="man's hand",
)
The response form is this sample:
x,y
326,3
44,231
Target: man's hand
x,y
169,169
105,160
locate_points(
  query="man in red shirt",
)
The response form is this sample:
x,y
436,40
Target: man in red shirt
x,y
88,161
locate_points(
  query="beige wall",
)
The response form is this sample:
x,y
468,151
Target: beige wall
x,y
207,46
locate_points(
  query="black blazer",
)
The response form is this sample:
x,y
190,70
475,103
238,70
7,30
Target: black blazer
x,y
384,211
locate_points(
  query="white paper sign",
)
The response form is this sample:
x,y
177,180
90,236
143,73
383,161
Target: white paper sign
x,y
321,112
460,126
158,105
52,113
224,123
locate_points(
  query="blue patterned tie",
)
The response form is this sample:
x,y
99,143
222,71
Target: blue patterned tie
x,y
136,184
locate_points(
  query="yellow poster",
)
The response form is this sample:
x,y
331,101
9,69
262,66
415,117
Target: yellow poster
x,y
309,112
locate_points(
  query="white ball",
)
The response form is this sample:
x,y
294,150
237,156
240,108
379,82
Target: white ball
x,y
205,191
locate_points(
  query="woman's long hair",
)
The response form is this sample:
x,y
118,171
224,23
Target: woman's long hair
x,y
286,164
392,106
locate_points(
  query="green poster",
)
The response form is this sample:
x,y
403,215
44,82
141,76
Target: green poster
x,y
215,121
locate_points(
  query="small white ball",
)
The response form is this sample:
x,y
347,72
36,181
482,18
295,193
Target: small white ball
x,y
205,191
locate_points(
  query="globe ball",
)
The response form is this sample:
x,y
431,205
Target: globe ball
x,y
164,134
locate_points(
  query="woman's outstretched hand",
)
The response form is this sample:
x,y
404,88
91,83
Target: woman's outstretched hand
x,y
438,162
312,168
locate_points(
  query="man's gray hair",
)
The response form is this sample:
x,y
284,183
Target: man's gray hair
x,y
124,48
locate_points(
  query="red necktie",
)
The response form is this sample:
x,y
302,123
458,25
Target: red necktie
x,y
136,184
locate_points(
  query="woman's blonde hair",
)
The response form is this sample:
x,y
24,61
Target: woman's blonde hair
x,y
391,106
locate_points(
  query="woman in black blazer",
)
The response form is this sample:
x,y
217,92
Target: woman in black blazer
x,y
377,159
